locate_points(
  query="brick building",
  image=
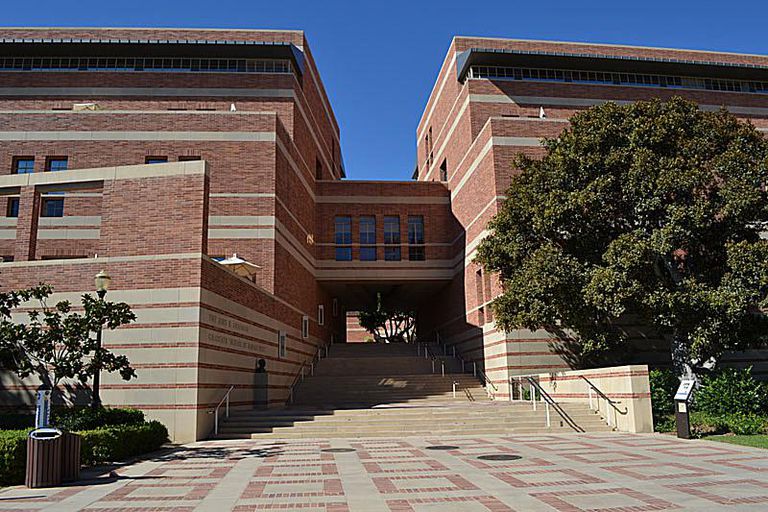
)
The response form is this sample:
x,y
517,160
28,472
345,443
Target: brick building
x,y
152,154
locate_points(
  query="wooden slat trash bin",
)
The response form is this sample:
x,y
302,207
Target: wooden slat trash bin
x,y
43,458
70,457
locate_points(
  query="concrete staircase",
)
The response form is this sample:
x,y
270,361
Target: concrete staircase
x,y
379,390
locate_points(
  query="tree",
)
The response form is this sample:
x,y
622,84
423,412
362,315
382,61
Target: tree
x,y
57,343
652,209
388,324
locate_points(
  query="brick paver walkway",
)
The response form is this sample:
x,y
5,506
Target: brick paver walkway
x,y
564,473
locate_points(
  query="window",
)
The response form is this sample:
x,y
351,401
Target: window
x,y
13,207
23,165
6,259
318,169
617,78
145,64
305,326
391,238
343,238
444,170
282,351
368,238
156,160
56,163
53,208
320,315
188,158
416,238
335,307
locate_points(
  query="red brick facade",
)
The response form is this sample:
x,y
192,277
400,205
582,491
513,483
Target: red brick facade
x,y
268,187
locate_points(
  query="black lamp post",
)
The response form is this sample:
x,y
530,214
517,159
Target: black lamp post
x,y
102,281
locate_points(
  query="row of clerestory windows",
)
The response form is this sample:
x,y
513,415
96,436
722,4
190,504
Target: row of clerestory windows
x,y
367,239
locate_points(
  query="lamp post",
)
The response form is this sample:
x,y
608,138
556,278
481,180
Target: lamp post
x,y
102,281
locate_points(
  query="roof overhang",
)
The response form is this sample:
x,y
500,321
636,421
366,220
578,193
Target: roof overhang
x,y
615,63
186,48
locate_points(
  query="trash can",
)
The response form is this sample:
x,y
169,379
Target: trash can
x,y
70,457
44,458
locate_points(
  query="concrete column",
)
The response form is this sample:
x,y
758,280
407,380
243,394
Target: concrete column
x,y
26,227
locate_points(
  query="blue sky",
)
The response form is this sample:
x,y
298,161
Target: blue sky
x,y
379,59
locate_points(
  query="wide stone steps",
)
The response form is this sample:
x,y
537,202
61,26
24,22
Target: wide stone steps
x,y
373,390
435,419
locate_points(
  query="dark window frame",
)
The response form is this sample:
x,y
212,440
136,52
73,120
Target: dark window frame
x,y
17,160
10,209
392,238
416,244
49,163
158,159
343,238
367,244
46,212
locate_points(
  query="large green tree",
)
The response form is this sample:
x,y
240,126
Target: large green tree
x,y
56,342
388,324
652,209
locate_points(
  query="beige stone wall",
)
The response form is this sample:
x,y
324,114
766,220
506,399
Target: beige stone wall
x,y
628,387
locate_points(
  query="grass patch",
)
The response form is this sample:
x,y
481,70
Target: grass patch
x,y
755,441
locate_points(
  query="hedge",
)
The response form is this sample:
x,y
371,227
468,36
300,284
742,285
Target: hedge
x,y
111,444
87,418
107,444
13,456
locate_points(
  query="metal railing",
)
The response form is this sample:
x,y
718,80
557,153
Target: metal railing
x,y
300,374
423,347
534,388
224,401
611,408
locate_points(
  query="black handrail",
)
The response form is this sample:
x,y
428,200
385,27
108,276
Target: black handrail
x,y
605,397
552,403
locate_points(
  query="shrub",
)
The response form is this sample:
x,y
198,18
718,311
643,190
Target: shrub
x,y
86,418
729,392
13,455
703,423
746,424
663,387
110,444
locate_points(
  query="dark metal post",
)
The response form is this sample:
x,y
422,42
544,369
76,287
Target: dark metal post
x,y
682,421
96,400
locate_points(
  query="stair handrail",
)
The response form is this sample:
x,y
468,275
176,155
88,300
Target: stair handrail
x,y
488,385
224,400
549,402
299,376
594,405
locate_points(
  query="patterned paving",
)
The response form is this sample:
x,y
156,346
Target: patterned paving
x,y
554,473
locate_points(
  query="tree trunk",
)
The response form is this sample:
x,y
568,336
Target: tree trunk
x,y
681,356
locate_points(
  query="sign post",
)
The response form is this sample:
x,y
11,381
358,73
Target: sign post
x,y
682,398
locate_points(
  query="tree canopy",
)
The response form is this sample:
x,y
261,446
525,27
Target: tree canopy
x,y
56,342
651,209
388,324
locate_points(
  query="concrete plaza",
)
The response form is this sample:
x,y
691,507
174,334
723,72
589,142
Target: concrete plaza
x,y
603,472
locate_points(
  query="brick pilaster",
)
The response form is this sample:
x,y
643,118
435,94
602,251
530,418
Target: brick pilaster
x,y
26,227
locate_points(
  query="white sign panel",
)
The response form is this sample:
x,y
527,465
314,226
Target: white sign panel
x,y
685,390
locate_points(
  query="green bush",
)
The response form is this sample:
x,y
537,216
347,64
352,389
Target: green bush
x,y
703,424
13,456
85,418
111,444
663,387
105,444
730,391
